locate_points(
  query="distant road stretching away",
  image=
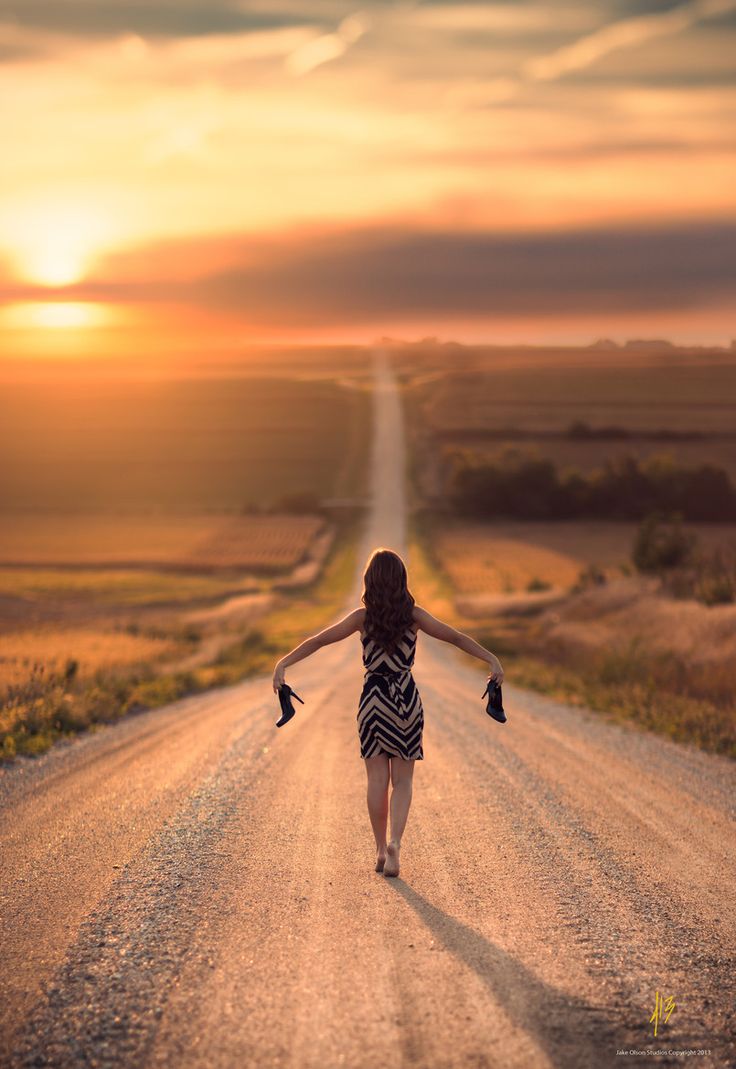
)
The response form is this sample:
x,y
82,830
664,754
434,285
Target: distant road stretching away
x,y
193,887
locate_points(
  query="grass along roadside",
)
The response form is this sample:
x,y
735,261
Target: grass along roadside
x,y
630,678
609,687
56,704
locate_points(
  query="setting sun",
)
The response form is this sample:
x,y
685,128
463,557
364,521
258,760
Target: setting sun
x,y
55,244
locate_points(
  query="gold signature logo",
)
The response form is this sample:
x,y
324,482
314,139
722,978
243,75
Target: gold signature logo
x,y
663,1008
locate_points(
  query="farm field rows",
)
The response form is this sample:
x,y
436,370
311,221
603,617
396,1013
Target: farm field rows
x,y
184,446
198,542
147,525
560,599
679,398
640,397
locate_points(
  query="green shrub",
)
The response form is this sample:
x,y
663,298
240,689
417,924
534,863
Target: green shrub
x,y
720,590
590,576
661,543
709,577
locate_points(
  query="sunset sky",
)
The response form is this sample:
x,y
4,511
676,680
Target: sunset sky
x,y
180,170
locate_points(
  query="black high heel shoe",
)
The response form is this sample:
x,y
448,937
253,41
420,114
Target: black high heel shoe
x,y
494,705
287,707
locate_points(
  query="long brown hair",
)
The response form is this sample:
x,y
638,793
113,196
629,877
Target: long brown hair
x,y
387,599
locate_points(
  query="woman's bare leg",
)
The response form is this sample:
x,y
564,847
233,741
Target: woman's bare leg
x,y
377,768
402,773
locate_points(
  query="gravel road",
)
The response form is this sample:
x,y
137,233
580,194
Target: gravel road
x,y
193,887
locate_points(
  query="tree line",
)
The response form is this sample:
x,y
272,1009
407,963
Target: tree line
x,y
625,488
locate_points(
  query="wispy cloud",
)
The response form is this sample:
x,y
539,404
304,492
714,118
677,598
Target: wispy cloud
x,y
589,49
626,33
153,18
509,21
325,47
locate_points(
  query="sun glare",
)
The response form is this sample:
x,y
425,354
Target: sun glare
x,y
63,314
54,315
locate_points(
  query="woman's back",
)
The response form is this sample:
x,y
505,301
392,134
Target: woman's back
x,y
378,659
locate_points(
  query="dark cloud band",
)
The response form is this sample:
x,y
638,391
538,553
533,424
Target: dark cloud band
x,y
155,19
387,272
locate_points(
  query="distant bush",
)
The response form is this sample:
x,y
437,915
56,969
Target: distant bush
x,y
536,584
579,429
530,487
71,670
589,577
660,543
709,576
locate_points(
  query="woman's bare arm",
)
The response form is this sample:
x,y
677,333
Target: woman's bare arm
x,y
350,623
438,629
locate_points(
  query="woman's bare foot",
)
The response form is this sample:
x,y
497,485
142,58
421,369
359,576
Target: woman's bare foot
x,y
391,868
380,859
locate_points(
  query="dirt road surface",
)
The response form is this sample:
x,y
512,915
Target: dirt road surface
x,y
193,887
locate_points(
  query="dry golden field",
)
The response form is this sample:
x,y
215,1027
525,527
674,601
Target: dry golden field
x,y
611,616
91,647
197,542
560,600
679,398
130,654
487,400
148,521
623,647
187,587
122,587
182,446
506,557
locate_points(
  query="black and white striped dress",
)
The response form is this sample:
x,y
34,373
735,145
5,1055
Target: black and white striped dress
x,y
390,715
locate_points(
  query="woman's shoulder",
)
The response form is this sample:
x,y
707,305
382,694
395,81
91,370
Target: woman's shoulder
x,y
424,620
417,615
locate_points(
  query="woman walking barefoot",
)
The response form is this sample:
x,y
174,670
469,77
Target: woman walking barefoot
x,y
390,714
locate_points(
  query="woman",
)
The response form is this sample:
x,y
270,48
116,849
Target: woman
x,y
390,715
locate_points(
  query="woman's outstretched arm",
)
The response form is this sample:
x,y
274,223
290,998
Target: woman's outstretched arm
x,y
437,629
350,623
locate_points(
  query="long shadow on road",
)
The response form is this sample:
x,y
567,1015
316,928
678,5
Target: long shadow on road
x,y
570,1032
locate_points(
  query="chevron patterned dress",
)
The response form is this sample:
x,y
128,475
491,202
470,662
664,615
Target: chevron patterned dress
x,y
390,715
